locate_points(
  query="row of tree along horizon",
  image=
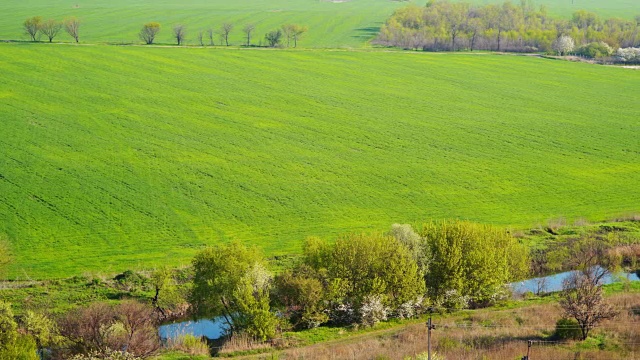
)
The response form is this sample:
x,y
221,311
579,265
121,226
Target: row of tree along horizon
x,y
36,27
443,25
356,280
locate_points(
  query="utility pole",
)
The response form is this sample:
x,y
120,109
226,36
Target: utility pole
x,y
529,342
430,326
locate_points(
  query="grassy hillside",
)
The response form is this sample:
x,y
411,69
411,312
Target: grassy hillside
x,y
331,24
114,158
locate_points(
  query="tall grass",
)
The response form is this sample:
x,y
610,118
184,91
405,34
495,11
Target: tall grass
x,y
491,334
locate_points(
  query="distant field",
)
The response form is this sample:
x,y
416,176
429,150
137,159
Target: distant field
x,y
331,24
120,157
604,8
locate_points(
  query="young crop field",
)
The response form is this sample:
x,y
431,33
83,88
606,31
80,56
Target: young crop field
x,y
331,23
125,157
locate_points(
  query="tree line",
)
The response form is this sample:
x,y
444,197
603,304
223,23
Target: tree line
x,y
358,279
289,34
36,27
443,25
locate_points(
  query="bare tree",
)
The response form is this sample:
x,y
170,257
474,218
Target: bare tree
x,y
51,28
99,327
248,29
225,30
32,27
287,31
72,26
582,300
179,33
201,38
210,33
149,32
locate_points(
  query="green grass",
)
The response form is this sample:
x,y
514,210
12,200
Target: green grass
x,y
331,24
114,158
347,24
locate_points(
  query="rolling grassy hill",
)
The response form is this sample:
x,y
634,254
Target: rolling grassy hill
x,y
123,157
331,23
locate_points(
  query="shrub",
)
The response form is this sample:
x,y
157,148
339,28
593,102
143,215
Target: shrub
x,y
372,310
100,327
567,329
595,50
631,55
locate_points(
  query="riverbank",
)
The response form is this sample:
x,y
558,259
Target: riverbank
x,y
499,332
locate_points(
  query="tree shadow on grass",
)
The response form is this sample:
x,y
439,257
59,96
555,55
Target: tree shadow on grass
x,y
367,32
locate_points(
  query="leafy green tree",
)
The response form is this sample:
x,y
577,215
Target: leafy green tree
x,y
252,297
149,32
232,281
366,265
274,37
300,291
474,260
162,281
417,246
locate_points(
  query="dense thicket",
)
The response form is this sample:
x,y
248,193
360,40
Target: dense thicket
x,y
444,25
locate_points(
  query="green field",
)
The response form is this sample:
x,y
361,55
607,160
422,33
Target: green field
x,y
331,24
124,157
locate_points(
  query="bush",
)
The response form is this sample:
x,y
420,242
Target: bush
x,y
129,325
631,55
372,311
567,329
595,50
